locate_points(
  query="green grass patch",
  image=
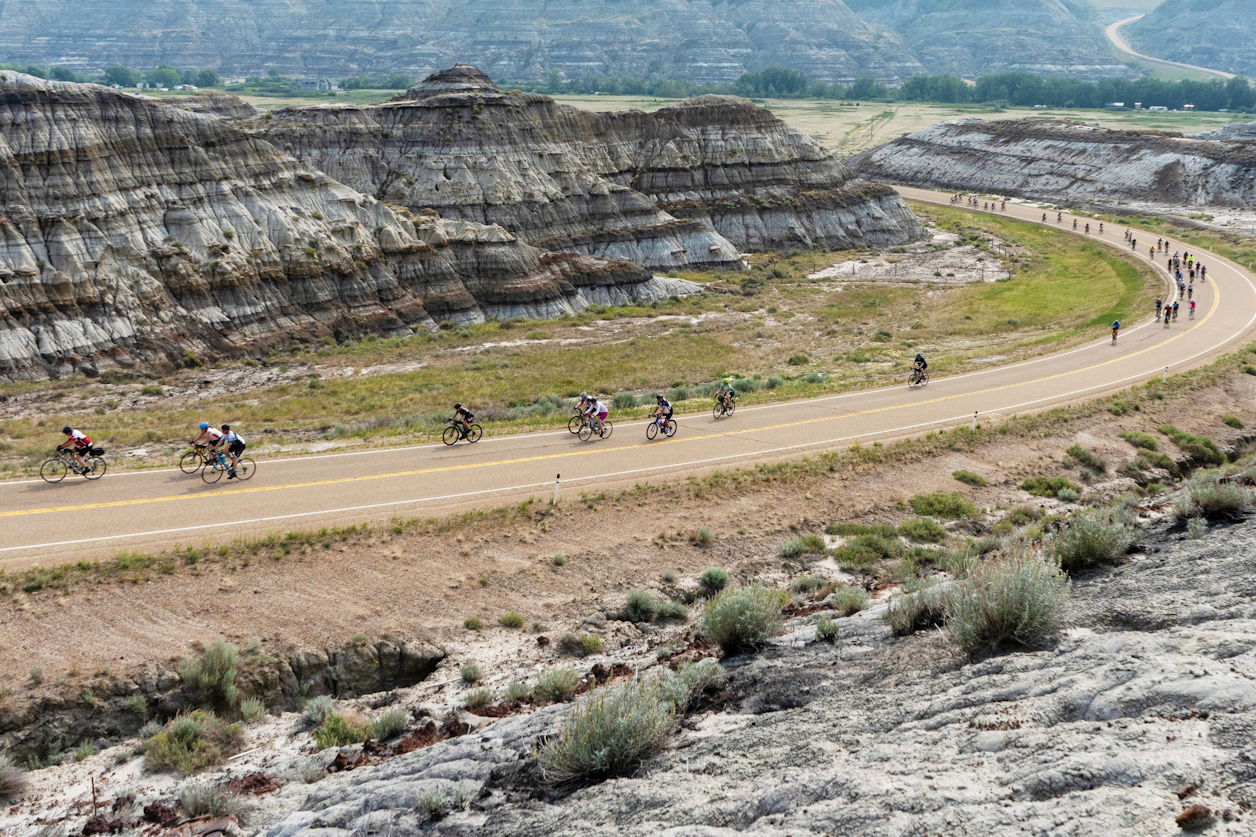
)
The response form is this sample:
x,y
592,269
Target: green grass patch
x,y
950,506
969,478
1201,449
1050,486
924,529
1139,439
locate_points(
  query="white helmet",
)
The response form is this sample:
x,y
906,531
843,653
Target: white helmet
x,y
584,395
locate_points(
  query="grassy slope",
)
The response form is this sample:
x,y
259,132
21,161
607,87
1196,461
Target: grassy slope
x,y
1063,289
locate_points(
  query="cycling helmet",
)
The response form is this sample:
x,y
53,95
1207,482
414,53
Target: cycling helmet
x,y
226,427
584,395
66,430
457,406
204,425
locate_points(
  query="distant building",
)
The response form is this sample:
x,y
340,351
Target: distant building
x,y
1157,108
1115,105
315,85
1188,107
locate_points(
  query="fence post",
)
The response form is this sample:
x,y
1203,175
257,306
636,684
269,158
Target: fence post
x,y
974,419
1165,379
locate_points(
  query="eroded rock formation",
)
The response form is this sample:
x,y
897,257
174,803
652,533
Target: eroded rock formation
x,y
133,232
687,185
1070,160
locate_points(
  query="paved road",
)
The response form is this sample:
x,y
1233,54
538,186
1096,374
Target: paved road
x,y
1118,40
43,524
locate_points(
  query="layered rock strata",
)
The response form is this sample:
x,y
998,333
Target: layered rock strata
x,y
687,185
1054,160
133,232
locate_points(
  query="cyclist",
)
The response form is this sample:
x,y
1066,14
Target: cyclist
x,y
77,444
1074,223
1044,217
1101,228
596,413
464,417
1175,309
1116,328
1192,314
235,447
1159,305
1005,206
1203,273
662,410
1190,291
725,392
919,365
209,437
1168,313
1059,216
1087,228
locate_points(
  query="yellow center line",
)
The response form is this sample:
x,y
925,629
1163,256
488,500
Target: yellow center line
x,y
606,450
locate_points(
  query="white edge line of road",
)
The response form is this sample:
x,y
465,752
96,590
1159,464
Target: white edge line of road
x,y
774,406
689,464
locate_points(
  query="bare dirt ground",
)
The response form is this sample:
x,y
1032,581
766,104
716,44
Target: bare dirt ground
x,y
424,581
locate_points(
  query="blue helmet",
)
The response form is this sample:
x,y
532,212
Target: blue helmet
x,y
204,425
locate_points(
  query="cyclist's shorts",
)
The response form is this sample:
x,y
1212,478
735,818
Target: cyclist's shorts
x,y
602,415
667,414
236,448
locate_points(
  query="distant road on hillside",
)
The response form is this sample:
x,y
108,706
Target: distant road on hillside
x,y
1118,40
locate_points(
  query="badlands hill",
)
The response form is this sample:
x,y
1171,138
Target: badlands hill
x,y
703,40
1220,34
687,185
1058,160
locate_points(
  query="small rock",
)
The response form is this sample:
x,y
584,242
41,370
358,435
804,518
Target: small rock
x,y
542,641
1194,817
98,824
1185,791
162,815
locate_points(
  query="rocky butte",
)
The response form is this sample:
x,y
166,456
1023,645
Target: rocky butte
x,y
136,233
1056,159
688,185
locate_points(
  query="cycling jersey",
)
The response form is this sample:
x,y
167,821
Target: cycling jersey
x,y
665,406
79,440
213,437
921,362
600,410
464,414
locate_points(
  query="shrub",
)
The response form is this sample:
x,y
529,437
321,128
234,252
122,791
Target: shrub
x,y
683,686
1092,537
473,623
516,691
37,676
476,698
704,537
252,710
213,677
742,618
914,610
1088,458
806,584
590,644
557,685
341,731
581,646
1200,449
1118,408
206,800
560,560
853,555
510,620
969,478
1020,600
624,401
389,723
713,581
1232,421
470,673
640,607
678,394
924,529
883,336
317,709
950,506
1024,515
826,629
12,780
1206,496
671,610
1048,486
1196,528
433,805
1138,439
805,544
1067,495
192,742
885,530
849,599
798,360
609,733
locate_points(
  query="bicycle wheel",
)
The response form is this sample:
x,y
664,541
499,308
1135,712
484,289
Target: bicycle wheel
x,y
476,434
732,405
670,429
717,411
212,472
450,436
53,471
574,424
96,467
607,429
652,430
586,432
924,379
191,462
246,468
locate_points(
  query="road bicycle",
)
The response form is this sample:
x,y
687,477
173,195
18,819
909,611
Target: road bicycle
x,y
724,408
576,422
194,460
55,470
602,428
455,432
219,463
668,427
918,378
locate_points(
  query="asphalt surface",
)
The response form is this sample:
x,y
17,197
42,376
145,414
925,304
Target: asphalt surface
x,y
152,510
1113,32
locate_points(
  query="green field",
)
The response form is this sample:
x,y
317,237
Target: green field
x,y
790,336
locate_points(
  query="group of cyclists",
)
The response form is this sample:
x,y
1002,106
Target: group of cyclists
x,y
214,440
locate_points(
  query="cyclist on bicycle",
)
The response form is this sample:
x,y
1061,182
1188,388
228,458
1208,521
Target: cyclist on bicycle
x,y
77,444
662,410
725,392
1101,227
1159,305
1116,328
463,417
1192,309
209,437
235,447
596,413
919,365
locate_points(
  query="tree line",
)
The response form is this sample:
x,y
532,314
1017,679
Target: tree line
x,y
1010,89
165,75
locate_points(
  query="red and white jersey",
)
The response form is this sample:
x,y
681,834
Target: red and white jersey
x,y
80,441
212,436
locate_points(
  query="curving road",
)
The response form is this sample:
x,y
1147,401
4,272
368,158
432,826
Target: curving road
x,y
1118,40
151,510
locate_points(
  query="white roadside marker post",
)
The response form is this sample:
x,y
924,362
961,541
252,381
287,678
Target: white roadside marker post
x,y
557,478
